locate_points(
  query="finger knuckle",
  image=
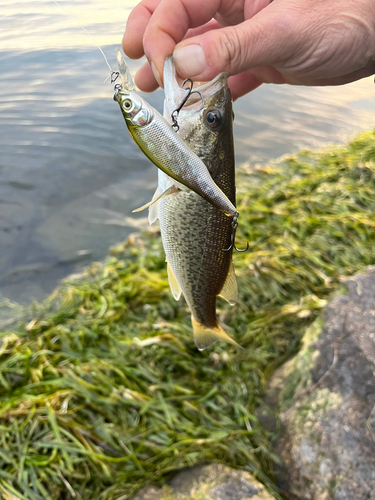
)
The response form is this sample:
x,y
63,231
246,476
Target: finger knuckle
x,y
230,48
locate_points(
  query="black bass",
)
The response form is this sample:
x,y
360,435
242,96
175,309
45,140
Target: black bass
x,y
165,148
193,231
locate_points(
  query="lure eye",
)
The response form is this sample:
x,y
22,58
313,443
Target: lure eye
x,y
127,104
213,118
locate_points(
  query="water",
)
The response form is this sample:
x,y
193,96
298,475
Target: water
x,y
69,172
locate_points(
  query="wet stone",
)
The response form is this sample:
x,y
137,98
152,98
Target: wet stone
x,y
234,490
208,482
326,398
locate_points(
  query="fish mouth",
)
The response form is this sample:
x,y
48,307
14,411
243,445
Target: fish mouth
x,y
174,93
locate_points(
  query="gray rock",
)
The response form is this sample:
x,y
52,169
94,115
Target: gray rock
x,y
327,402
208,482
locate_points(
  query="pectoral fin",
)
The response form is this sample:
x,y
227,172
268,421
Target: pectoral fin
x,y
173,283
171,190
230,289
204,336
153,210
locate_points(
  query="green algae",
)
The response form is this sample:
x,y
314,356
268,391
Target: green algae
x,y
102,389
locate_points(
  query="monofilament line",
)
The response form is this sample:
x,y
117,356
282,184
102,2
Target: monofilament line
x,y
85,30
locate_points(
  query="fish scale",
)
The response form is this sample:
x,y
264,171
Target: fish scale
x,y
202,235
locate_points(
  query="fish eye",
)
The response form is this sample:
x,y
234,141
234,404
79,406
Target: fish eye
x,y
213,118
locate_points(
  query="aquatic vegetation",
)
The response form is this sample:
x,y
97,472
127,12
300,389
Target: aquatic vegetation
x,y
102,388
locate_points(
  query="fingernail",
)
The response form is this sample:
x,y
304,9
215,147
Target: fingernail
x,y
156,74
189,60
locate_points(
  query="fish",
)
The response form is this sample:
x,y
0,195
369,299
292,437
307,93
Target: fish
x,y
197,234
165,148
193,231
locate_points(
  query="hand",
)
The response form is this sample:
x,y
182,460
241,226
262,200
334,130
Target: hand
x,y
300,42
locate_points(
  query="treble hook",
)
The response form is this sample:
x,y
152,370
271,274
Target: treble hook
x,y
176,112
233,236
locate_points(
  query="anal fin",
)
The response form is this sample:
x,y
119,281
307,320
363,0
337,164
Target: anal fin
x,y
229,291
204,336
173,283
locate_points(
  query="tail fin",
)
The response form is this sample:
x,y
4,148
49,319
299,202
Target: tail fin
x,y
204,336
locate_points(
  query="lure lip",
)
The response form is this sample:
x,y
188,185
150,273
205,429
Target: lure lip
x,y
126,78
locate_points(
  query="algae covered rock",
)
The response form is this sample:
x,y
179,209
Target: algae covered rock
x,y
327,401
208,482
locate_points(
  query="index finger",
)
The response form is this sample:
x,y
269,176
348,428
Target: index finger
x,y
132,41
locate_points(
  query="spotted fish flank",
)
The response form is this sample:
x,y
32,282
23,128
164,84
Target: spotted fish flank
x,y
194,233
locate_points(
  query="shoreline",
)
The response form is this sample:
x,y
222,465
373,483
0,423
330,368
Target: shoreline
x,y
103,385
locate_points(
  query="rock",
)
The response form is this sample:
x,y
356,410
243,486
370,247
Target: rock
x,y
208,482
326,397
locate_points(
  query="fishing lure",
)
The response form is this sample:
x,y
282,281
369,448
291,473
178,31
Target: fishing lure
x,y
160,143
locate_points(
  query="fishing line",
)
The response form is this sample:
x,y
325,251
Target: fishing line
x,y
89,34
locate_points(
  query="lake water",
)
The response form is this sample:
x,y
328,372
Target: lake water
x,y
69,173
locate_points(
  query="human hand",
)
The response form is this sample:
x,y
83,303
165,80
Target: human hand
x,y
300,42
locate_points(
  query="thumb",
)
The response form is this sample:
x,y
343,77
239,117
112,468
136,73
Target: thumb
x,y
264,40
